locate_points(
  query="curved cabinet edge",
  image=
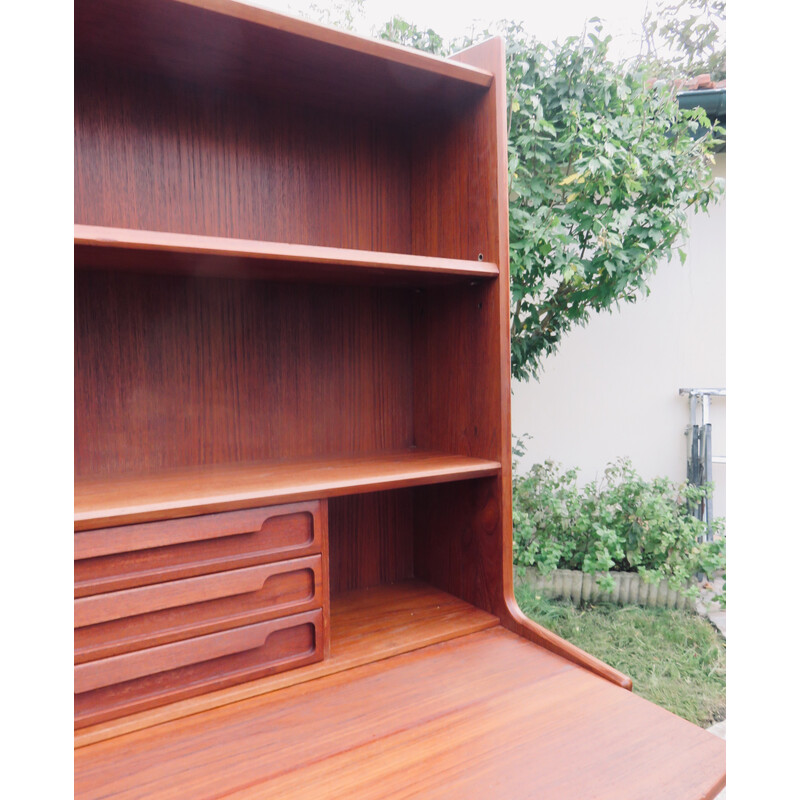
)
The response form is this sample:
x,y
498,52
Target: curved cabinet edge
x,y
523,626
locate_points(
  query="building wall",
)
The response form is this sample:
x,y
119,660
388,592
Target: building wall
x,y
612,388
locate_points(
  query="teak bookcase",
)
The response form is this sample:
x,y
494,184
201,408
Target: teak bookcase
x,y
292,440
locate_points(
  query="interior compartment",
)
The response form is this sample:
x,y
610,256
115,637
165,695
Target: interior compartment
x,y
241,165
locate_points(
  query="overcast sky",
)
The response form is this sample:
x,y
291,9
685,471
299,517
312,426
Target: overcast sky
x,y
547,20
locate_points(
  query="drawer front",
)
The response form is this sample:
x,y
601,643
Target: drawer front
x,y
111,559
147,616
131,682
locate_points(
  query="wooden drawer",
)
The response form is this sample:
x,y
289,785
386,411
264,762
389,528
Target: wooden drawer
x,y
123,684
134,619
111,559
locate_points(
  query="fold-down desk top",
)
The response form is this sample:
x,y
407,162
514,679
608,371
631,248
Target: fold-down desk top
x,y
487,715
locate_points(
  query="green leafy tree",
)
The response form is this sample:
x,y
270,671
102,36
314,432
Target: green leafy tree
x,y
399,31
686,38
603,173
338,13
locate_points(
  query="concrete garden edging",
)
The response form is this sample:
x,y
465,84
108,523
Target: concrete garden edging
x,y
577,587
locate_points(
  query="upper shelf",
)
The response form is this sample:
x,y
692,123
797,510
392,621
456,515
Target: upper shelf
x,y
120,500
237,46
212,256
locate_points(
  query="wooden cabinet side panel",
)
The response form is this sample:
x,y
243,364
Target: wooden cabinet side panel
x,y
458,541
461,346
463,533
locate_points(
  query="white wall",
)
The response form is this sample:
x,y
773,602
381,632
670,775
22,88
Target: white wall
x,y
612,388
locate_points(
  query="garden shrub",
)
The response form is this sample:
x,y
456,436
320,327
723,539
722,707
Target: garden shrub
x,y
622,523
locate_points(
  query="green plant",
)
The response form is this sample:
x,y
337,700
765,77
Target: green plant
x,y
675,658
684,38
603,170
337,13
621,524
399,31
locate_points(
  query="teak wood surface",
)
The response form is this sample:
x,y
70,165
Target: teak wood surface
x,y
135,681
173,372
292,286
234,46
110,559
366,625
197,490
214,256
147,616
484,715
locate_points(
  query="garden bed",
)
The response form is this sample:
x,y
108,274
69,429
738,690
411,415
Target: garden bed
x,y
580,587
622,540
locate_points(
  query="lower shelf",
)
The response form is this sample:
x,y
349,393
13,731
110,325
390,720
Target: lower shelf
x,y
366,626
487,714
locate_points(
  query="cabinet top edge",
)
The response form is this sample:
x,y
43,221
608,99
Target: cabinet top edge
x,y
343,39
236,35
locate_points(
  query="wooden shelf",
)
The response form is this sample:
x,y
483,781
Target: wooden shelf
x,y
121,500
215,139
483,715
97,246
236,46
366,625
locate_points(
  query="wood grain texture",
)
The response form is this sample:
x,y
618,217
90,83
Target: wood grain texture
x,y
213,256
147,616
135,681
289,525
366,625
462,358
485,715
371,540
236,47
198,394
231,583
461,352
180,492
459,547
173,372
174,157
110,559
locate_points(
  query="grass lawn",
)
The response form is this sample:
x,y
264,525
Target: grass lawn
x,y
675,658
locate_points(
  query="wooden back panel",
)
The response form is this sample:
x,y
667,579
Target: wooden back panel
x,y
170,155
173,371
370,539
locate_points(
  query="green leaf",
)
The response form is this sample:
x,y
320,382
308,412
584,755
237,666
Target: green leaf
x,y
602,169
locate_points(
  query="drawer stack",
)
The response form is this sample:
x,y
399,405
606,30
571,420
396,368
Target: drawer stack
x,y
169,609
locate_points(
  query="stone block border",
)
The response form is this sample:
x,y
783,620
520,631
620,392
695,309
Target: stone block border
x,y
576,586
